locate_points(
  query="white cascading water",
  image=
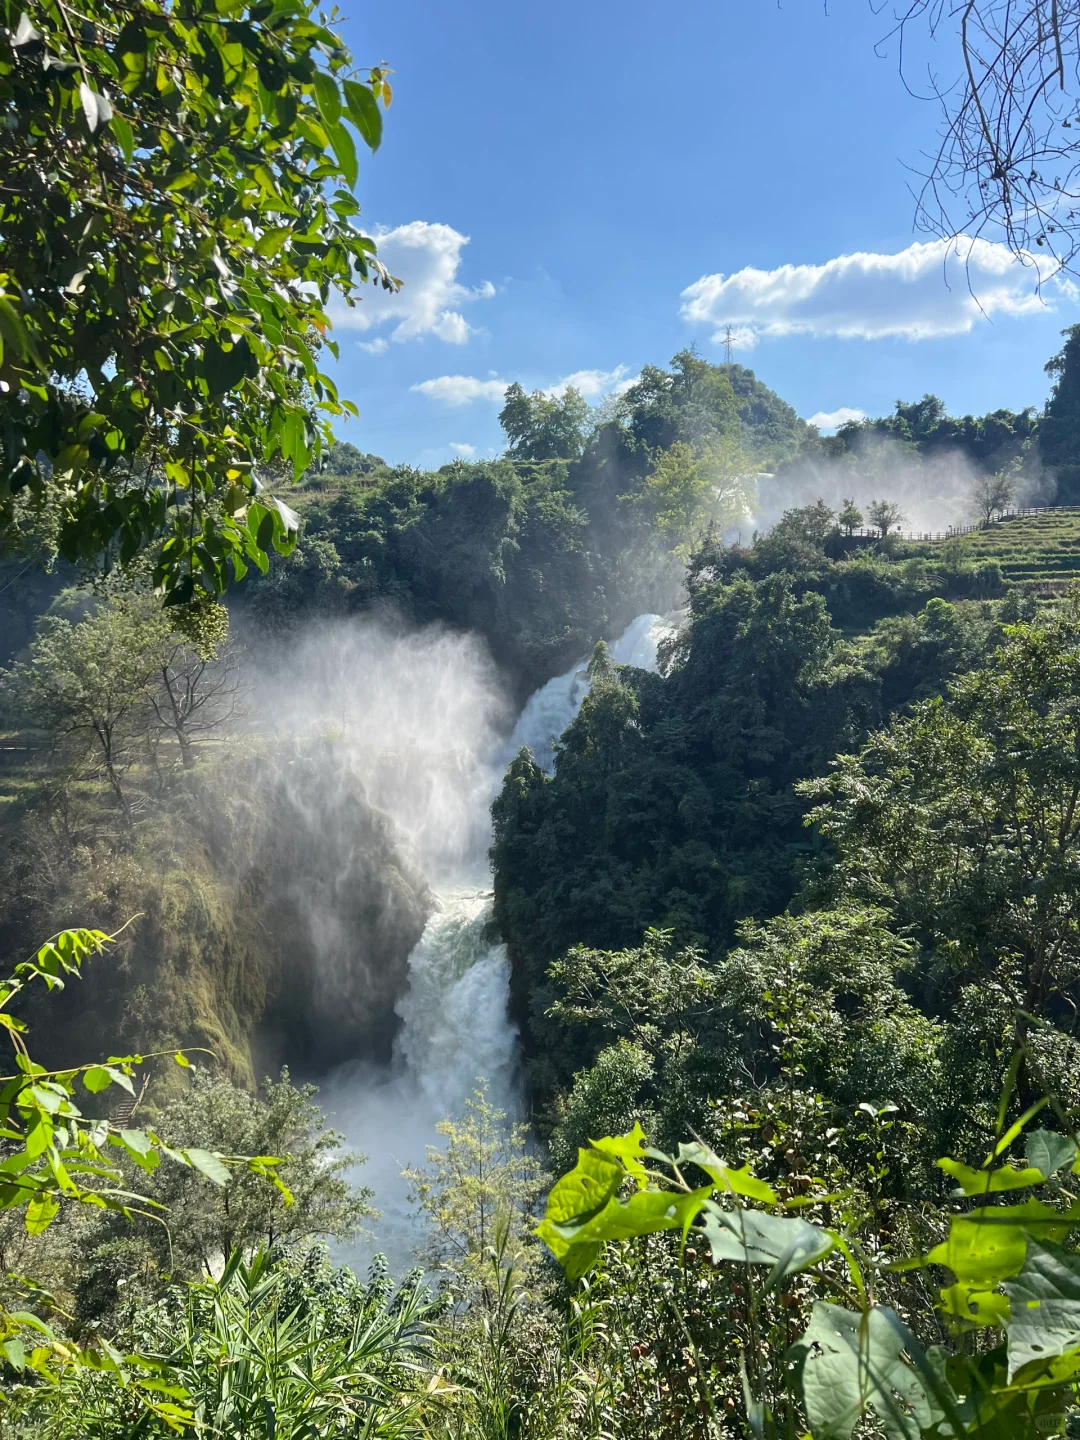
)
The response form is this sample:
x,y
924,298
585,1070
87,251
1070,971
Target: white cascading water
x,y
456,1031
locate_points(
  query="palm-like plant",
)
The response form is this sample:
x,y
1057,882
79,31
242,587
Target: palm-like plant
x,y
252,1357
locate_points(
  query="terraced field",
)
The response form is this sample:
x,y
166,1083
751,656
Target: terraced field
x,y
1039,551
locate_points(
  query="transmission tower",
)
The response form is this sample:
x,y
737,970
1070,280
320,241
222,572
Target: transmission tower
x,y
728,342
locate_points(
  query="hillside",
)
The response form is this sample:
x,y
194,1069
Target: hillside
x,y
1039,550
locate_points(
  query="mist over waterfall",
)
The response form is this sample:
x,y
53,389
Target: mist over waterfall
x,y
414,723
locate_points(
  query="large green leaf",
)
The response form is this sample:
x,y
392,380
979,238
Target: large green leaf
x,y
327,97
580,1194
751,1237
209,1164
988,1244
642,1214
855,1362
1044,1301
41,1212
1049,1152
585,1189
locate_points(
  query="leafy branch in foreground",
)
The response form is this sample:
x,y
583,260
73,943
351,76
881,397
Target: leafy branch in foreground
x,y
52,1154
176,213
1015,1285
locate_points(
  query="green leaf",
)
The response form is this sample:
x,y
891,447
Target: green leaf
x,y
40,1213
209,1164
1049,1152
726,1179
853,1363
95,107
125,137
327,97
988,1245
1044,1305
224,369
97,1078
14,1354
364,112
990,1182
345,151
628,1149
271,241
974,1304
181,1059
136,1141
643,1214
585,1189
752,1238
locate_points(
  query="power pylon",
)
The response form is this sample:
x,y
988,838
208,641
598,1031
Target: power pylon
x,y
728,343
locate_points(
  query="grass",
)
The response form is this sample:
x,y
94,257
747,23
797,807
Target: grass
x,y
1032,550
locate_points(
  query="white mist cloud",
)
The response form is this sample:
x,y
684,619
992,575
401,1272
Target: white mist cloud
x,y
426,258
931,289
374,347
457,390
462,448
833,419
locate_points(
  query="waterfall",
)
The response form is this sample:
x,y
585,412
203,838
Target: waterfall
x,y
455,1028
550,709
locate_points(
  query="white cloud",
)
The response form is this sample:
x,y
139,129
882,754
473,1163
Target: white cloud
x,y
833,419
466,451
941,287
590,383
464,389
374,347
459,390
426,259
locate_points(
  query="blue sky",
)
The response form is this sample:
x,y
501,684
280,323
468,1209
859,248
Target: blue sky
x,y
632,178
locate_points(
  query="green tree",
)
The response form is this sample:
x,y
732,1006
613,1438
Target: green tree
x,y
992,494
1059,428
689,489
849,518
84,682
885,515
544,427
964,818
693,402
206,1225
477,1192
103,684
176,213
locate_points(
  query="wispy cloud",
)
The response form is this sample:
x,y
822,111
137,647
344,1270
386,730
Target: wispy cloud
x,y
942,287
833,419
426,259
462,448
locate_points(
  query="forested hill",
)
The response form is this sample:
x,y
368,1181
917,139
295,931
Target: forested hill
x,y
675,801
578,527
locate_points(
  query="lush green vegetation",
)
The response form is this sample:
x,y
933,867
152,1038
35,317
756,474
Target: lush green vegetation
x,y
794,924
1039,551
579,527
164,278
